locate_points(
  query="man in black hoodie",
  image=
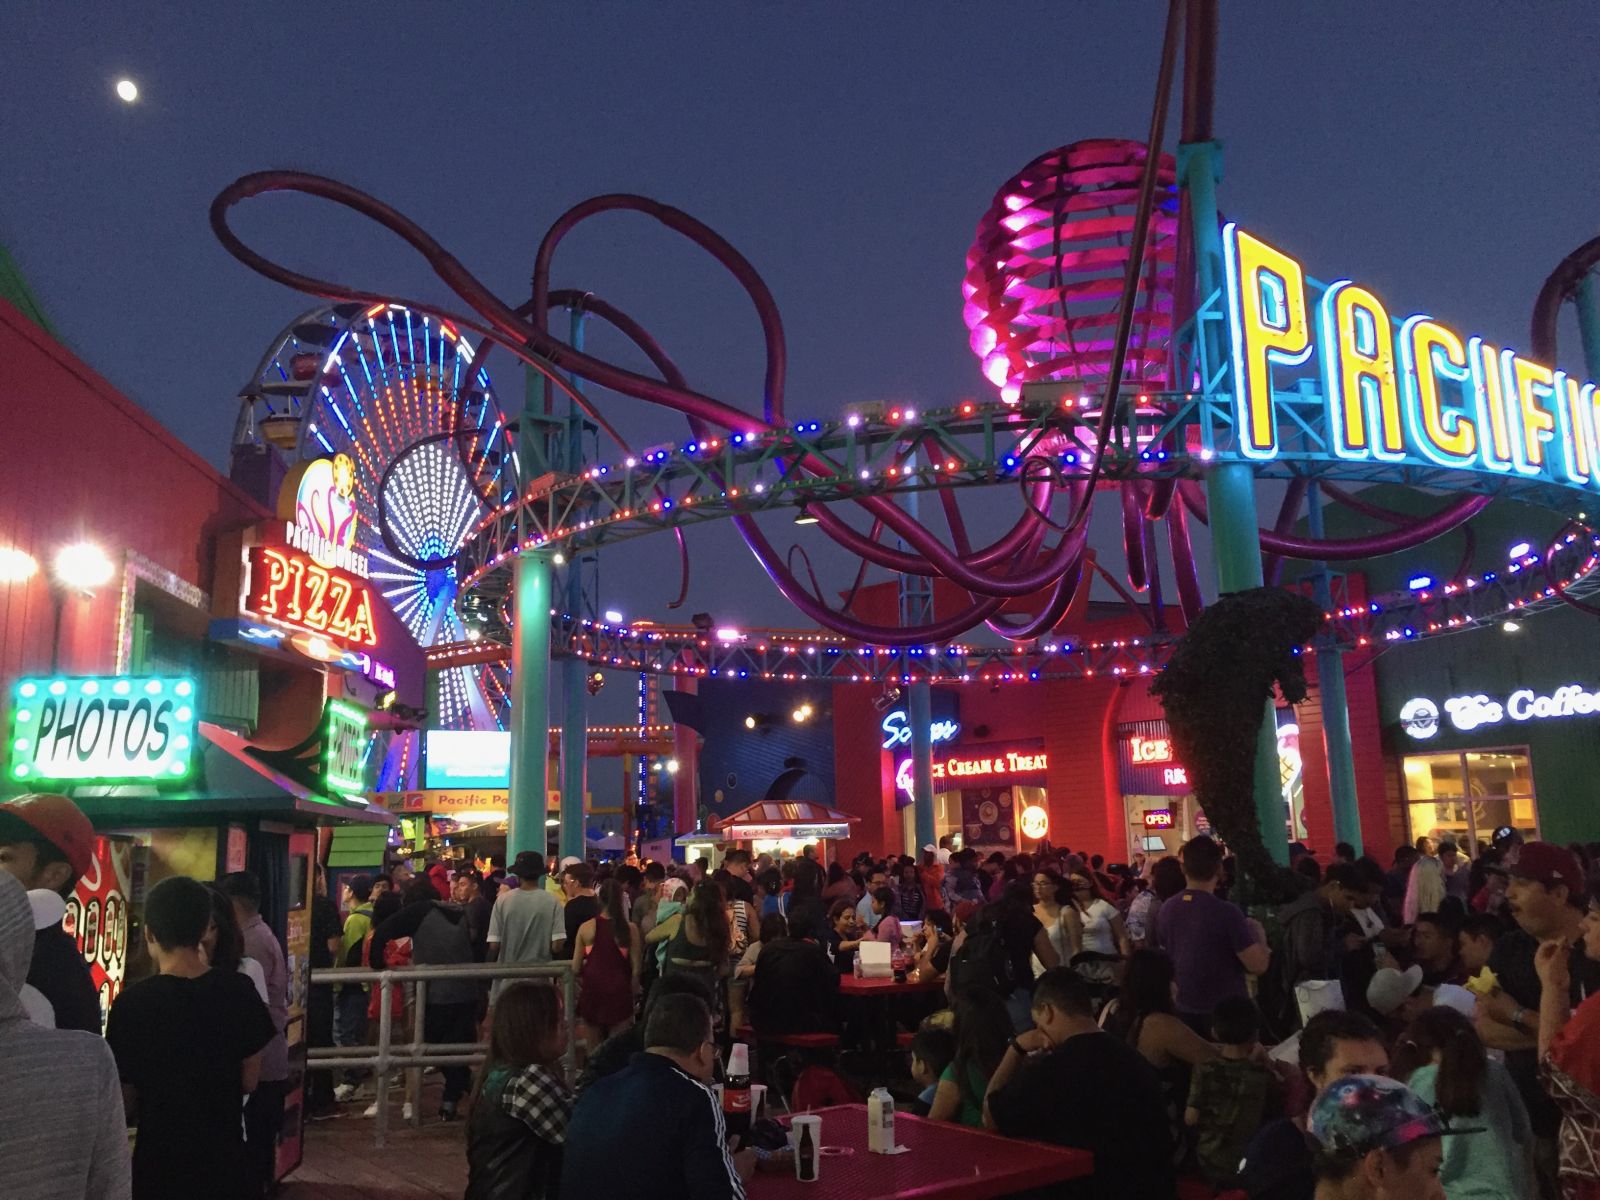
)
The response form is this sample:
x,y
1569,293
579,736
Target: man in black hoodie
x,y
439,937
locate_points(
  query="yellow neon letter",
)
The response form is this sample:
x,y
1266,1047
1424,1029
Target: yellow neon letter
x,y
1358,372
1428,350
1267,322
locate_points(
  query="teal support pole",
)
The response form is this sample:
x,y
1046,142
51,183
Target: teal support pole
x,y
1335,704
574,689
1588,305
919,708
916,608
1230,487
530,654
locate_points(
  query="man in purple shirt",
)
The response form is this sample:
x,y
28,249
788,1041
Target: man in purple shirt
x,y
263,1114
1209,940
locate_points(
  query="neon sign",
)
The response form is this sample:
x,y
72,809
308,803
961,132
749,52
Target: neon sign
x,y
324,501
1419,717
344,759
1150,750
1158,818
1410,391
1004,764
897,730
108,728
287,587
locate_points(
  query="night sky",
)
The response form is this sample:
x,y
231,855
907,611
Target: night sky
x,y
1443,154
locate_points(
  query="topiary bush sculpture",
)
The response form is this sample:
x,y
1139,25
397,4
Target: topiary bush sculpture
x,y
1214,690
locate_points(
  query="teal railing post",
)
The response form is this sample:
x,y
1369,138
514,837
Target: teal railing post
x,y
1230,486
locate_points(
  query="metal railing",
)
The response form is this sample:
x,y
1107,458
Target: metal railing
x,y
385,1058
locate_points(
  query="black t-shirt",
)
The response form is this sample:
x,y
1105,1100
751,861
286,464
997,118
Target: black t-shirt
x,y
1511,960
324,925
579,909
180,1044
1278,1164
62,977
1095,1093
794,989
1018,928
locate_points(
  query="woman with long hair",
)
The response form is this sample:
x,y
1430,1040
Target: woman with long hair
x,y
983,1031
1049,901
223,943
700,945
521,1101
607,957
1441,1059
1144,1016
1093,922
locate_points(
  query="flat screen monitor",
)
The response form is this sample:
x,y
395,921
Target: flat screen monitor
x,y
466,758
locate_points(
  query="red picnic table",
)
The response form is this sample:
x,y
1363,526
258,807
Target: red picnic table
x,y
944,1162
849,985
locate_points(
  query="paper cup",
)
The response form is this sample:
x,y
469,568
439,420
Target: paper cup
x,y
798,1123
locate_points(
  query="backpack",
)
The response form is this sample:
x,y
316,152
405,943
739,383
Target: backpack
x,y
983,961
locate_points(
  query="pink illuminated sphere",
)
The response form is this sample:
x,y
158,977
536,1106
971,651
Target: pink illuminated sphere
x,y
1045,271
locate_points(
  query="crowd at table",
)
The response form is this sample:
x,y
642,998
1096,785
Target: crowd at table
x,y
1079,1028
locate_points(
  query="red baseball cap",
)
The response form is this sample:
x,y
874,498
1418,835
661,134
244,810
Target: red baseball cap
x,y
56,819
1549,864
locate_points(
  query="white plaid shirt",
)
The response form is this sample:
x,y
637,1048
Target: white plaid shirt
x,y
541,1100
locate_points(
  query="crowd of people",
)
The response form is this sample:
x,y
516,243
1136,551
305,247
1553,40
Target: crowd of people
x,y
1426,1029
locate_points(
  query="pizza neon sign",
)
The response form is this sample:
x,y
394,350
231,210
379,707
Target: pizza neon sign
x,y
287,587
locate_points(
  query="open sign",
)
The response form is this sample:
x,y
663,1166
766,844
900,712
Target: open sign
x,y
1158,818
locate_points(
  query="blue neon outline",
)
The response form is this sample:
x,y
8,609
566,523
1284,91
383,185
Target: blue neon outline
x,y
1569,436
1411,395
1513,395
1480,392
1333,388
1274,358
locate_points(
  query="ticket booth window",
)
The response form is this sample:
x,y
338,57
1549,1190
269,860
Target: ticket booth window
x,y
1469,794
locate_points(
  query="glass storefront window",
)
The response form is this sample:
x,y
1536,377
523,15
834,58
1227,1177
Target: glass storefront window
x,y
1467,795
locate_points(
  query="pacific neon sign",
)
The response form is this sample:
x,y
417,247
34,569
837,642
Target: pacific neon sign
x,y
1397,392
287,587
1419,717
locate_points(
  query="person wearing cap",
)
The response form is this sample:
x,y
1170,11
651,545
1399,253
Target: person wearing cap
x,y
1402,996
62,1129
47,843
1546,896
523,924
1376,1139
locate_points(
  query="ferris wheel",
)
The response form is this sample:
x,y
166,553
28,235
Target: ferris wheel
x,y
396,391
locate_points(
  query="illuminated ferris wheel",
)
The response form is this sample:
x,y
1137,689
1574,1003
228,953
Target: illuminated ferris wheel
x,y
397,392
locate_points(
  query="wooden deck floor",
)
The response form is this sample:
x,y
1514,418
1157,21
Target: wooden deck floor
x,y
342,1163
